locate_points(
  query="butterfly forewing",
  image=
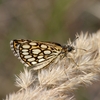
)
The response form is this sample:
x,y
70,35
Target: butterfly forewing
x,y
35,53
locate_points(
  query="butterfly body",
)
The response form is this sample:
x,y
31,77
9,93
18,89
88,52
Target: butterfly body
x,y
37,53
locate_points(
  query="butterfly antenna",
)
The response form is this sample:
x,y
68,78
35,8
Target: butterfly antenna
x,y
70,43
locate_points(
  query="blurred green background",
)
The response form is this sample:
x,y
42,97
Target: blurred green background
x,y
44,20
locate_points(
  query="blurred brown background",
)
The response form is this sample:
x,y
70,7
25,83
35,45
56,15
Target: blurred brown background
x,y
44,20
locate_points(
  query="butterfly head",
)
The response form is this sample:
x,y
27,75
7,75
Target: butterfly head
x,y
68,48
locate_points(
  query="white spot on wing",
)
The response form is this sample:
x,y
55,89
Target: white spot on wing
x,y
33,43
47,52
26,46
25,53
43,46
31,59
23,50
40,60
36,51
34,62
40,57
27,56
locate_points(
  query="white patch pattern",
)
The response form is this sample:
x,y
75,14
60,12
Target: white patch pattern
x,y
34,62
31,59
36,51
40,57
26,46
47,52
27,56
40,60
33,43
43,46
24,50
25,53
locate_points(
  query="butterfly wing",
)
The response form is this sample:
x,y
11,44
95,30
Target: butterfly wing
x,y
35,53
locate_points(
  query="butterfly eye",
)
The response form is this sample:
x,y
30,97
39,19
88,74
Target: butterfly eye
x,y
70,48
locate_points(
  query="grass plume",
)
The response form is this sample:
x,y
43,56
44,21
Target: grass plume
x,y
59,80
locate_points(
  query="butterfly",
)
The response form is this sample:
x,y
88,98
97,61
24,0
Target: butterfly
x,y
38,54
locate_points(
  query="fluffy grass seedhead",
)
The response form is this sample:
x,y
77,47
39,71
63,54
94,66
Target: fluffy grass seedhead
x,y
59,80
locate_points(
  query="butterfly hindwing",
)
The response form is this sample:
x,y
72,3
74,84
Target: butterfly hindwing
x,y
35,53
